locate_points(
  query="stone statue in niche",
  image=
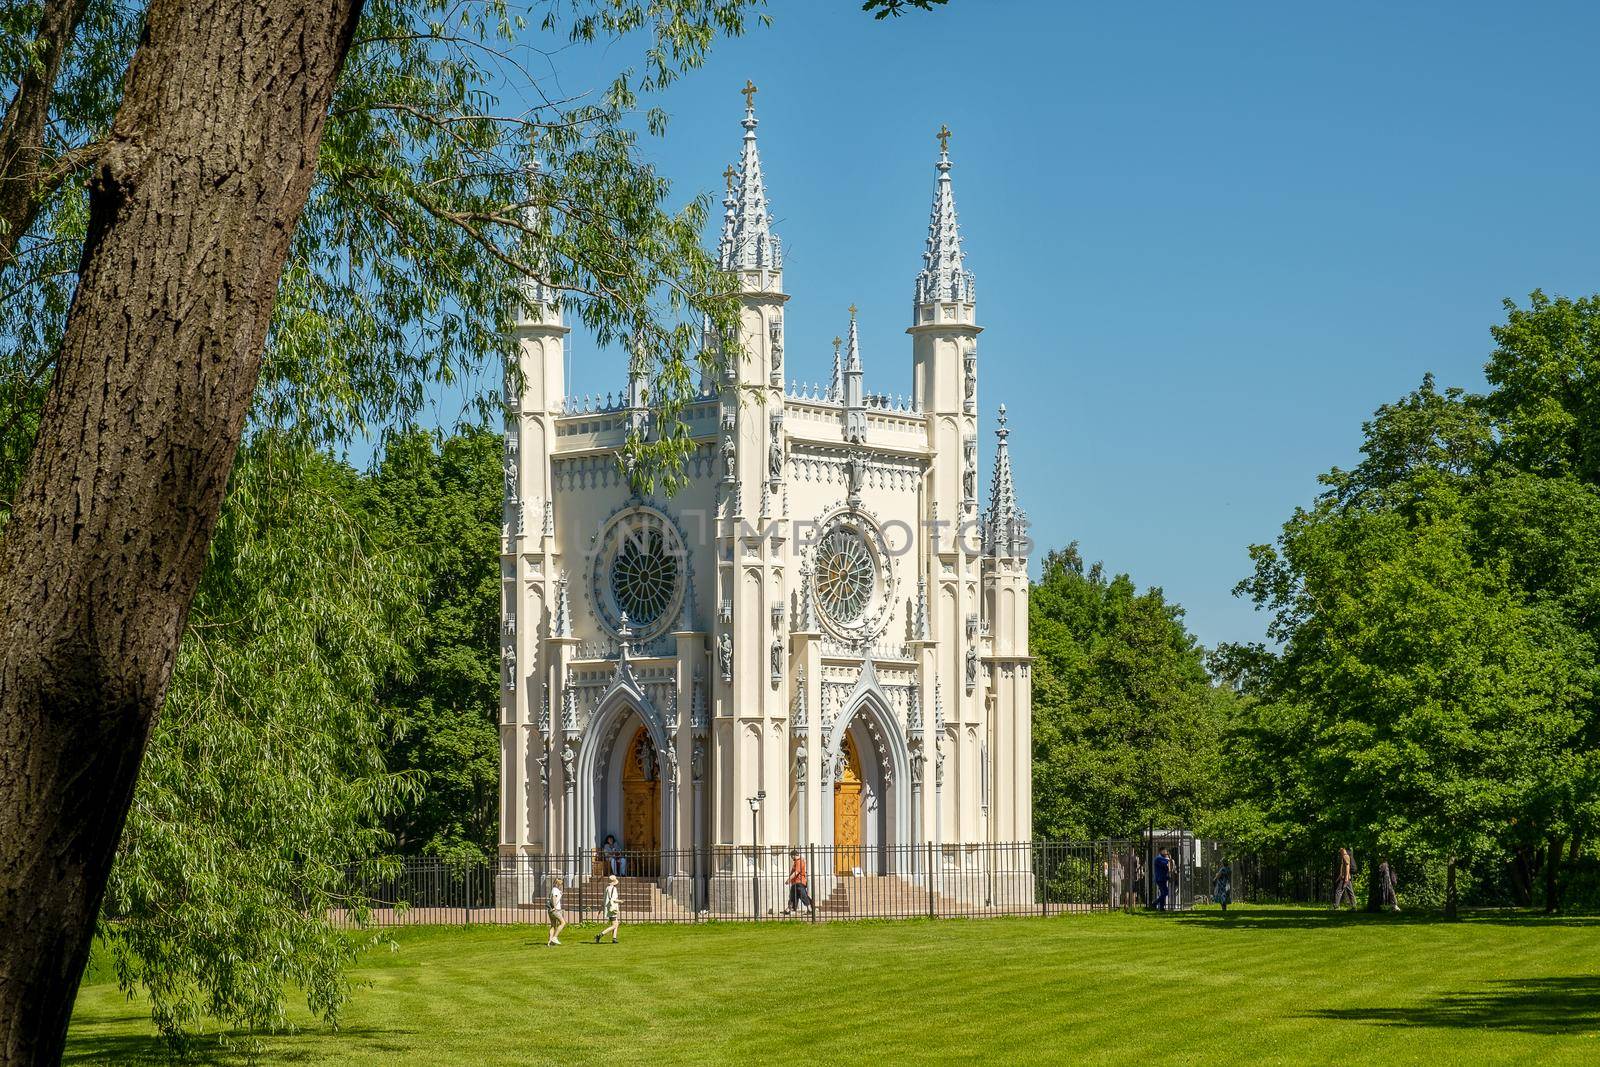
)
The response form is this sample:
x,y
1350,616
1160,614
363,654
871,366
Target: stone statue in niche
x,y
972,669
725,655
777,661
697,759
971,401
856,474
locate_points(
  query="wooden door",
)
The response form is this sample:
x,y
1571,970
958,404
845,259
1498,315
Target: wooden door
x,y
641,806
847,812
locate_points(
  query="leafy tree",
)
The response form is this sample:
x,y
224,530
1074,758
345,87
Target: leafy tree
x,y
440,501
147,295
265,782
1125,720
1434,694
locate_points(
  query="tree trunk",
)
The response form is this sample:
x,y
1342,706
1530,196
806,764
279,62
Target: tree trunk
x,y
1552,876
1450,889
192,205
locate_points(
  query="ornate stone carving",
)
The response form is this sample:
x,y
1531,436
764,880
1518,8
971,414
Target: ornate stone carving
x,y
972,669
856,472
775,448
777,660
569,709
970,403
969,471
725,655
697,704
697,759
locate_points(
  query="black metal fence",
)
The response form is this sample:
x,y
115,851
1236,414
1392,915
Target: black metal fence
x,y
730,883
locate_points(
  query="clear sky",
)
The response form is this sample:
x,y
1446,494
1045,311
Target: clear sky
x,y
1209,239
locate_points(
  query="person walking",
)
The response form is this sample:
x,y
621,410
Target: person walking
x,y
1163,870
1343,881
611,907
1222,885
1135,879
558,921
799,893
1388,897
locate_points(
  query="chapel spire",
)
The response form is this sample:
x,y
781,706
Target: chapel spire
x,y
944,277
836,386
749,243
855,401
1005,527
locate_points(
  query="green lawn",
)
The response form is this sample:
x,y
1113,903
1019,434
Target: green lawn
x,y
1263,985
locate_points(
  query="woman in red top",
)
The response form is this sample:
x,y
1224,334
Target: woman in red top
x,y
798,893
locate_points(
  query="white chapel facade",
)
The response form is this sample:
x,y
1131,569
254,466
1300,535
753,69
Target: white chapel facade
x,y
825,619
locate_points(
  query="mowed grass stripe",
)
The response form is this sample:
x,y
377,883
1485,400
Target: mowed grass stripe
x,y
1261,985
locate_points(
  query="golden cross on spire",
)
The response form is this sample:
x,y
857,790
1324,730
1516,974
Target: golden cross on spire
x,y
749,91
836,343
852,311
728,174
944,137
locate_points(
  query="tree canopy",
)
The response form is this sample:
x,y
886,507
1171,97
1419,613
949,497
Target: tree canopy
x,y
1125,719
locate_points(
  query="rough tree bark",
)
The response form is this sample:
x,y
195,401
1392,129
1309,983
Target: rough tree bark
x,y
22,129
192,205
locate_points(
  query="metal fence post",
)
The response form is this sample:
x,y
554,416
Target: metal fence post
x,y
930,880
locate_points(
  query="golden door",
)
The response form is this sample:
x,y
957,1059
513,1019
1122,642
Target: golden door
x,y
847,812
641,806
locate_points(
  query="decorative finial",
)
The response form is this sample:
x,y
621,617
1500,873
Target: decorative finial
x,y
852,311
1002,431
749,92
728,177
944,138
836,343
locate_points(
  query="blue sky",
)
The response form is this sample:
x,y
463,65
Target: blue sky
x,y
1209,238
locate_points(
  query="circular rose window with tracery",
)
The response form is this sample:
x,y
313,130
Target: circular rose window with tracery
x,y
640,571
644,577
846,575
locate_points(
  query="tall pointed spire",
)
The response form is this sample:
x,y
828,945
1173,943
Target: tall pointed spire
x,y
855,405
749,243
729,203
836,386
943,276
1005,527
540,294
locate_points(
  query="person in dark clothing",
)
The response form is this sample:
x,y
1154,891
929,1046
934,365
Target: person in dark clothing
x,y
1386,886
1163,871
1222,885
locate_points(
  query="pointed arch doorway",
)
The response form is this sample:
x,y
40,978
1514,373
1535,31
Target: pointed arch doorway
x,y
847,812
641,806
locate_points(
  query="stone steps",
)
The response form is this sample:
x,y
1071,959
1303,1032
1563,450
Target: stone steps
x,y
638,899
877,895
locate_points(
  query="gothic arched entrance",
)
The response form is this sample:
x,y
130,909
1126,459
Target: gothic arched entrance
x,y
641,805
847,812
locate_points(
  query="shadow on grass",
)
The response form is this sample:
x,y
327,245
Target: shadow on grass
x,y
1529,1005
210,1052
1311,918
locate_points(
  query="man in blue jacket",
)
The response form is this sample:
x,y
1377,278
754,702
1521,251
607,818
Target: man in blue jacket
x,y
1163,868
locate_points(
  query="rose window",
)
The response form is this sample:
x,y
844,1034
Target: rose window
x,y
644,576
845,576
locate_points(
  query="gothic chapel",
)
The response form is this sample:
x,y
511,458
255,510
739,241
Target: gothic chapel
x,y
821,640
